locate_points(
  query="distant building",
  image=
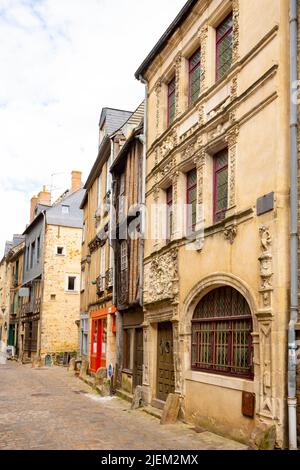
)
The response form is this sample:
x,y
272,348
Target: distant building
x,y
51,274
11,268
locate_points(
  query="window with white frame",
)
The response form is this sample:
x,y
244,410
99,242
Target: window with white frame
x,y
60,250
65,209
71,283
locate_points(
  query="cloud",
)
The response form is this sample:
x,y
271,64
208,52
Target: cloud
x,y
62,62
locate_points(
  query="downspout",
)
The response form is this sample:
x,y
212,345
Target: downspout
x,y
112,222
143,202
292,397
42,289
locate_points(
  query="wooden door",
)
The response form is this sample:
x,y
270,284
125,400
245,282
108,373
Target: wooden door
x,y
138,362
165,361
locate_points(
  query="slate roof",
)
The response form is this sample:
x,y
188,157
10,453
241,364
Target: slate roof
x,y
114,119
55,216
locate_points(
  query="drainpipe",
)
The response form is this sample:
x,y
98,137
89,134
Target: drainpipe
x,y
112,222
292,398
143,202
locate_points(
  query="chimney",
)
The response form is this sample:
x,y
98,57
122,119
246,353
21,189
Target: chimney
x,y
44,197
33,204
76,181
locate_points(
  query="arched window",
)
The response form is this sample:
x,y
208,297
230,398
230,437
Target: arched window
x,y
221,334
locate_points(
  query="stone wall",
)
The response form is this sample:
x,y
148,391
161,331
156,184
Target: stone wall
x,y
60,308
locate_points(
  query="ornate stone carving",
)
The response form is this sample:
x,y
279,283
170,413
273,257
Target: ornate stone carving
x,y
157,88
168,145
231,139
234,88
177,359
168,168
189,151
200,162
161,278
266,401
236,31
203,35
216,132
230,233
178,60
201,118
266,268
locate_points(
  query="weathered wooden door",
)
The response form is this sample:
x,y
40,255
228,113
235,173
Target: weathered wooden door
x,y
138,362
165,361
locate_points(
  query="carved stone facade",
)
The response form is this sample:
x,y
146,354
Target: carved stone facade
x,y
231,139
246,250
161,278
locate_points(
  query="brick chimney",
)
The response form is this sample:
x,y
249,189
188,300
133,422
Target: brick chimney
x,y
33,204
44,197
76,181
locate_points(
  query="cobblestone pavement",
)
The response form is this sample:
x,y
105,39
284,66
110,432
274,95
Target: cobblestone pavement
x,y
51,409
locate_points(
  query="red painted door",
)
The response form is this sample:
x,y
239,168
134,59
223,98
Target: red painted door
x,y
98,344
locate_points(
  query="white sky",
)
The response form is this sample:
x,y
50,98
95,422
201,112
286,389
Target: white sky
x,y
61,61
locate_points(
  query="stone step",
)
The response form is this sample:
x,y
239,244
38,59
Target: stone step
x,y
151,410
124,395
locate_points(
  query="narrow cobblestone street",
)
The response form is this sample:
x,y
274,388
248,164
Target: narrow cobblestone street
x,y
51,409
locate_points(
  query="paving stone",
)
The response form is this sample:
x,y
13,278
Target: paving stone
x,y
39,410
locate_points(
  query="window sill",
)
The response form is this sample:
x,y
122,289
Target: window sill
x,y
71,292
233,383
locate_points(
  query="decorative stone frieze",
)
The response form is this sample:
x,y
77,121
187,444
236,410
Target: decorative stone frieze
x,y
161,278
168,145
236,31
231,139
230,233
203,36
157,88
266,268
168,168
234,88
178,60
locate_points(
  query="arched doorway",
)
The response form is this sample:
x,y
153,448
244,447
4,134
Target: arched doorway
x,y
221,334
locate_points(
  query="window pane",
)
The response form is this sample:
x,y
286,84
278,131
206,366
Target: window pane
x,y
224,46
71,283
221,342
171,101
224,27
194,78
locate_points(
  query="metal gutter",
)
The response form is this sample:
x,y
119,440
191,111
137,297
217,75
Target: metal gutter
x,y
292,366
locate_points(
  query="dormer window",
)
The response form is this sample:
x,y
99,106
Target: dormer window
x,y
65,209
